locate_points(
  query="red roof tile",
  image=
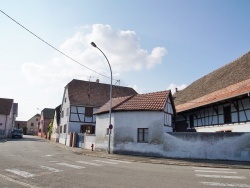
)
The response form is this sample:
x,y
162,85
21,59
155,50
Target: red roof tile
x,y
140,102
222,94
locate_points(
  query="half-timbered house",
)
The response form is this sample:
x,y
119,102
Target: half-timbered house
x,y
217,102
80,100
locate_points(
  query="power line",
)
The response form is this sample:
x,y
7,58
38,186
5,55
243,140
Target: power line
x,y
53,46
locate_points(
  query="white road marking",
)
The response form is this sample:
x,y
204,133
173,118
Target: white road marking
x,y
54,161
20,173
218,176
50,169
119,161
204,168
225,184
70,165
88,163
108,162
223,172
17,182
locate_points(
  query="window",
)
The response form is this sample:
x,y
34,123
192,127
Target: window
x,y
67,112
89,129
65,99
142,135
36,119
65,128
88,111
62,114
191,121
32,124
60,129
227,114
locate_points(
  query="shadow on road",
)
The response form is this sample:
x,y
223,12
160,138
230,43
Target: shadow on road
x,y
25,138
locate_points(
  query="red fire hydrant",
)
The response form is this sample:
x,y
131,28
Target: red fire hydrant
x,y
92,146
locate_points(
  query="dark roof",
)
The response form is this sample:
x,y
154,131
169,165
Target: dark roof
x,y
94,94
21,124
230,74
58,112
15,109
37,115
48,113
5,106
140,102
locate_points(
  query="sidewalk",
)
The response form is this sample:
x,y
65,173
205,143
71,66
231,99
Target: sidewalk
x,y
156,160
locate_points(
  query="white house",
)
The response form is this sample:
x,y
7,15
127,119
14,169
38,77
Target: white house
x,y
8,114
32,124
139,122
56,124
217,102
80,100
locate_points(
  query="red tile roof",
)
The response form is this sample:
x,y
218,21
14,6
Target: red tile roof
x,y
222,94
5,106
140,102
230,74
94,94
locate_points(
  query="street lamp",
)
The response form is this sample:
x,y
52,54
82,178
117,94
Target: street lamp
x,y
110,107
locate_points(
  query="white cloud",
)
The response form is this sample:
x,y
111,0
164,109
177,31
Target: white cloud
x,y
173,87
122,48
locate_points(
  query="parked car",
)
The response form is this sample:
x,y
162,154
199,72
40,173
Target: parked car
x,y
17,133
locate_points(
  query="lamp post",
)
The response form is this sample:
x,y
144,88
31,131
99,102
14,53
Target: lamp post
x,y
110,107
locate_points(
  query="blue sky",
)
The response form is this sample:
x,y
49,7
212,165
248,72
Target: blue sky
x,y
152,45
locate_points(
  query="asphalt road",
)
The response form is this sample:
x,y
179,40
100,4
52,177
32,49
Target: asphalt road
x,y
34,162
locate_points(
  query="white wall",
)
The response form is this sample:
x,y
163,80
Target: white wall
x,y
241,127
102,123
221,146
126,124
89,140
7,123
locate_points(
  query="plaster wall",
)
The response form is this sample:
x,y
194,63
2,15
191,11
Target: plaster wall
x,y
125,132
89,140
221,146
102,123
65,108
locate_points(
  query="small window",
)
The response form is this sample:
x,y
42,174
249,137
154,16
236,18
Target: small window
x,y
62,114
60,129
65,100
89,129
36,119
32,124
65,128
88,111
227,114
142,135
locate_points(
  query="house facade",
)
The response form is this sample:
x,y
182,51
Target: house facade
x,y
56,124
81,99
32,124
8,114
217,102
47,115
139,122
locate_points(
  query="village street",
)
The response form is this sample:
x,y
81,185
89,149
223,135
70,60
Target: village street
x,y
35,162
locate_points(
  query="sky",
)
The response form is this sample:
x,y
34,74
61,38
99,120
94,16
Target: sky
x,y
152,45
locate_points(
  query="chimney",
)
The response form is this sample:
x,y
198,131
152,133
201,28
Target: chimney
x,y
97,80
176,89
